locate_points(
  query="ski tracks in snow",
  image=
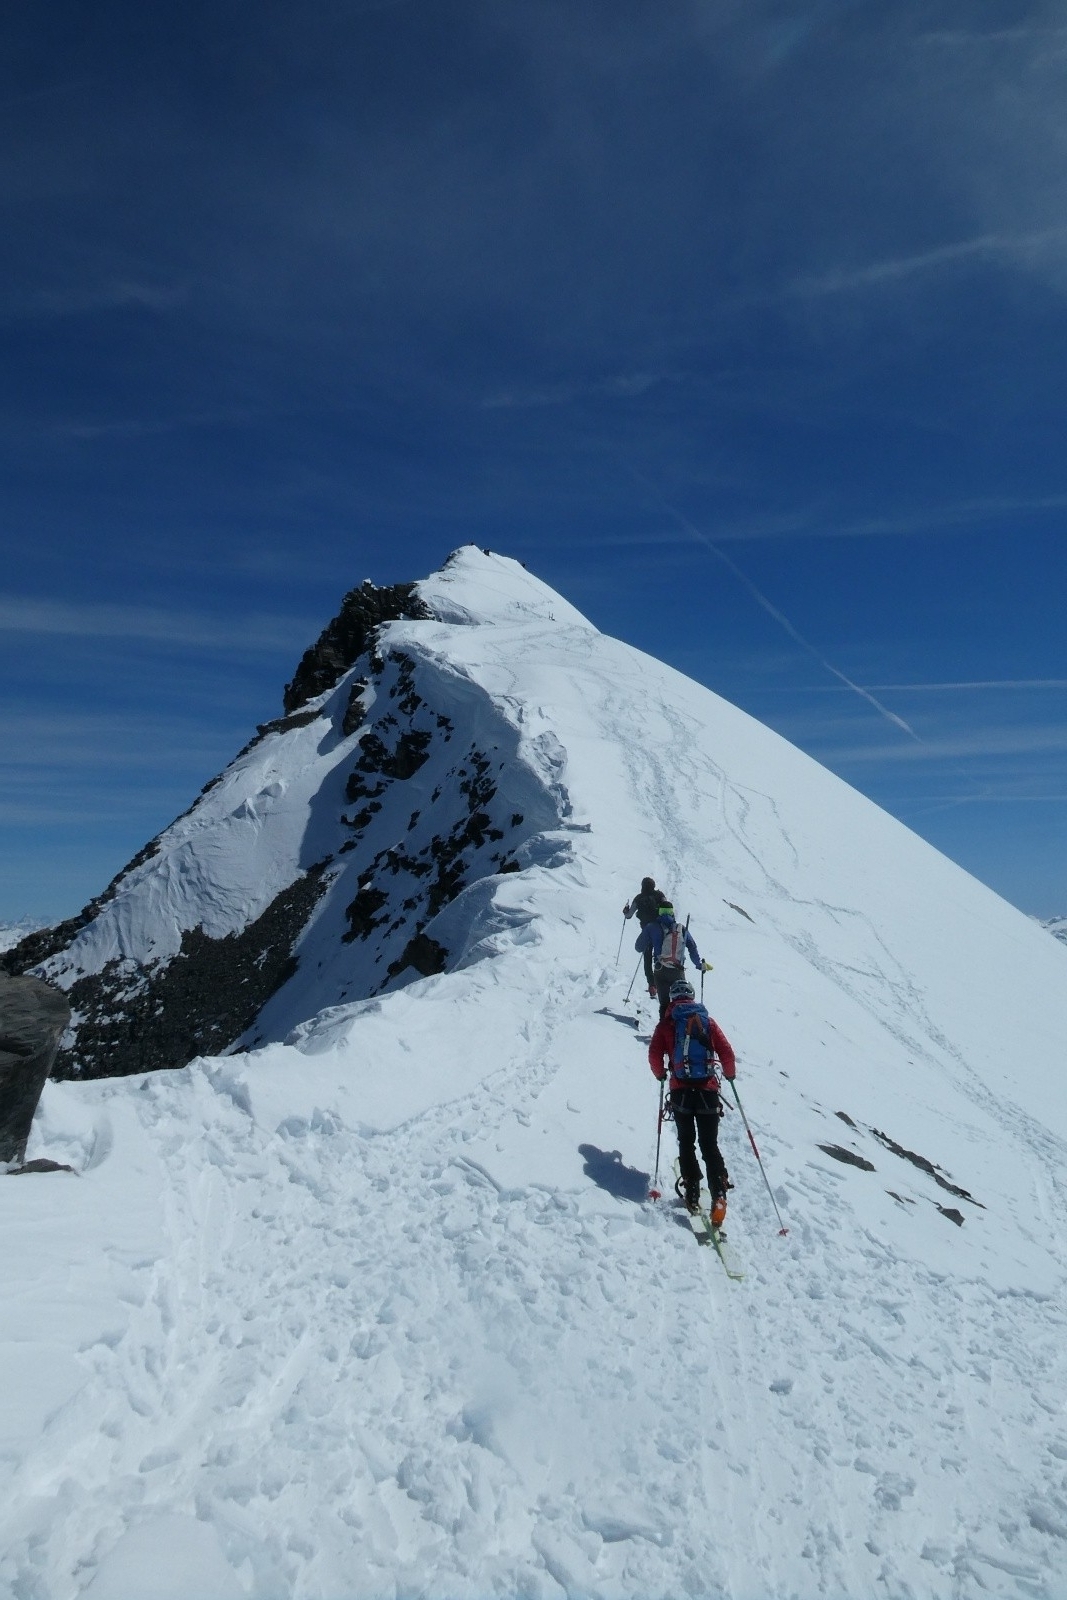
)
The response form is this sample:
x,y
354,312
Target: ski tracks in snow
x,y
374,1369
434,1361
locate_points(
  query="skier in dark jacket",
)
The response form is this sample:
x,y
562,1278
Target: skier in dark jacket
x,y
695,1100
663,944
645,906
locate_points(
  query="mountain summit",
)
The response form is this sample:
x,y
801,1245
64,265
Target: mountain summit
x,y
368,1299
314,868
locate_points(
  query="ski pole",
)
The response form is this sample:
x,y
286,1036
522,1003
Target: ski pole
x,y
633,980
618,952
655,1192
782,1229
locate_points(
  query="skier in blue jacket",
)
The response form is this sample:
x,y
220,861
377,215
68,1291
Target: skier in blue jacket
x,y
664,944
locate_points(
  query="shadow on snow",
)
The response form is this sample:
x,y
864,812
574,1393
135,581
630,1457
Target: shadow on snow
x,y
608,1172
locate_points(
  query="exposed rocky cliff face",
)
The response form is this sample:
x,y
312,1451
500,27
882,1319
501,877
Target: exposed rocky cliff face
x,y
351,633
143,1017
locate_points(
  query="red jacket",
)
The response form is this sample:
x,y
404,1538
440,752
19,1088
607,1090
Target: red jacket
x,y
663,1039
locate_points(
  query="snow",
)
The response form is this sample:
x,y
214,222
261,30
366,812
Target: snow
x,y
379,1308
221,865
12,932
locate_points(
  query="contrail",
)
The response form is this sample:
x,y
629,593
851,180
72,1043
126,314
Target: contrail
x,y
772,610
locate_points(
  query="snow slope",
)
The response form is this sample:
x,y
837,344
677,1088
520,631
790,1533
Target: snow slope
x,y
378,1308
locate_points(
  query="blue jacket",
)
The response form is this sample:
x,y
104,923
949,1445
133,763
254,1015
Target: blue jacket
x,y
650,939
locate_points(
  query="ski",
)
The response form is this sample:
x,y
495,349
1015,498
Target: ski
x,y
705,1232
700,1225
718,1240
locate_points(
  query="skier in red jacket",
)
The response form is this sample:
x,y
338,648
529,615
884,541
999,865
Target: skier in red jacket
x,y
694,1046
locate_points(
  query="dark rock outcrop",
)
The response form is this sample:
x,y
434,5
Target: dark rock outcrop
x,y
342,642
33,1016
145,1019
925,1165
850,1157
42,1164
423,954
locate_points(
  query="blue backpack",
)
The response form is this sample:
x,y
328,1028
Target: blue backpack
x,y
692,1055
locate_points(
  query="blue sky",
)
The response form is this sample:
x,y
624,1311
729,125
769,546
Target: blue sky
x,y
742,324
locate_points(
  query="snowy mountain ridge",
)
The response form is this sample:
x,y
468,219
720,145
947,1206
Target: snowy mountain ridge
x,y
377,1305
190,943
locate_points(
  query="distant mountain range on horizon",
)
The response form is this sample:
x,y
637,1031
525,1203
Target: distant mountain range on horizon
x,y
12,933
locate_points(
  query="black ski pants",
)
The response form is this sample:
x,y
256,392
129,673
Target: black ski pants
x,y
665,976
697,1113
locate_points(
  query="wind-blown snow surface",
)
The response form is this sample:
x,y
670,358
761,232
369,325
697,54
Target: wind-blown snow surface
x,y
381,1310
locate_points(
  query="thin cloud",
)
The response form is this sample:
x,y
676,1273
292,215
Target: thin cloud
x,y
623,386
816,521
960,514
222,634
987,246
1010,797
966,36
934,688
37,814
1050,739
50,91
783,620
779,617
933,806
119,296
149,427
32,743
981,683
368,7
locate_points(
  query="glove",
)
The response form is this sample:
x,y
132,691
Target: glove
x,y
729,1073
705,966
626,909
652,991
